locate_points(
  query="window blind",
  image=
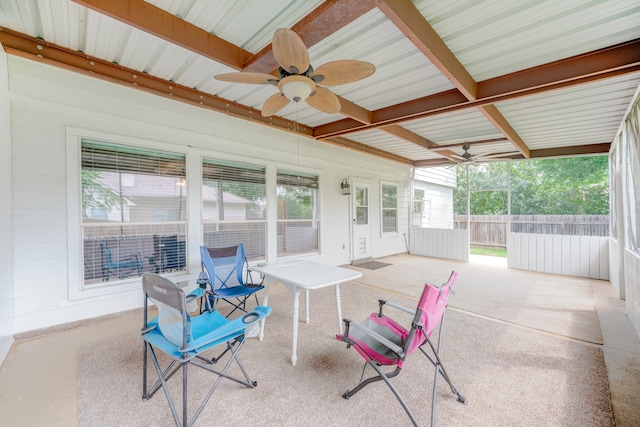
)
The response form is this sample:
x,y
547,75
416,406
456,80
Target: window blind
x,y
133,212
234,205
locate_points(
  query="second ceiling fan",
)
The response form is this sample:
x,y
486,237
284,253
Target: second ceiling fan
x,y
297,80
467,157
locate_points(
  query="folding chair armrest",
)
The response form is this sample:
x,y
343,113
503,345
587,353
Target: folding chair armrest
x,y
229,330
196,293
376,336
400,307
249,280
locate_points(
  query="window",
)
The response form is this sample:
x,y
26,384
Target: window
x,y
298,213
133,211
418,196
421,208
389,203
234,203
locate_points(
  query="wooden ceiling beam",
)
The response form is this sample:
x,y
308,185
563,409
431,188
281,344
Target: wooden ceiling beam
x,y
497,119
366,149
432,163
326,19
574,150
408,19
594,66
153,20
35,49
354,111
470,143
408,135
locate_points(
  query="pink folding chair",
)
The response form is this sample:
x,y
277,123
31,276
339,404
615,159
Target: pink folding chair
x,y
381,341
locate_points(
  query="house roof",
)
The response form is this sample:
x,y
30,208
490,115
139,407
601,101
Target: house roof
x,y
148,186
525,79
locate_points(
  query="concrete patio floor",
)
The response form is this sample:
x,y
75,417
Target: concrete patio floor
x,y
38,379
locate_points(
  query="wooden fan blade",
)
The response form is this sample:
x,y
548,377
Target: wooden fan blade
x,y
290,51
341,72
324,100
251,78
496,155
273,104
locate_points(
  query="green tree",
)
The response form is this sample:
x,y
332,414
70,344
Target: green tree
x,y
95,195
488,183
295,202
562,186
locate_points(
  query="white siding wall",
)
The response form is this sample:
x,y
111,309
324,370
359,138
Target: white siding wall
x,y
440,201
582,256
438,184
445,176
6,272
52,108
440,243
632,280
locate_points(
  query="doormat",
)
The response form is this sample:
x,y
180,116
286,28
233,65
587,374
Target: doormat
x,y
372,265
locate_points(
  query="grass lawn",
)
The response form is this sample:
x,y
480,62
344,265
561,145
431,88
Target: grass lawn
x,y
489,251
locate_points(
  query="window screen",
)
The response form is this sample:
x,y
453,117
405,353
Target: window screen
x,y
298,213
234,203
389,204
133,211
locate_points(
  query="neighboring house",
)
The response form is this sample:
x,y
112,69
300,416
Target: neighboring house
x,y
433,197
140,194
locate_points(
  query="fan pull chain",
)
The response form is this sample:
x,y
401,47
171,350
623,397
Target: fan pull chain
x,y
295,126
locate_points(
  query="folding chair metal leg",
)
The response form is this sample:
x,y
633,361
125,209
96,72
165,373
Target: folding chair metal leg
x,y
386,378
439,370
165,389
164,376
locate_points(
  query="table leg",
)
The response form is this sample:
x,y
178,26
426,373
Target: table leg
x,y
265,302
339,308
306,297
296,310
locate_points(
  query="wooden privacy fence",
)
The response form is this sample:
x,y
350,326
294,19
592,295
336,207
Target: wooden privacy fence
x,y
491,230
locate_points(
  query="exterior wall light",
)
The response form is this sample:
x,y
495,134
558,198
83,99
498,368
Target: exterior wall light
x,y
346,188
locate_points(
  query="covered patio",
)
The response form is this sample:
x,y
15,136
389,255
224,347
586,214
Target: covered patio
x,y
567,315
91,90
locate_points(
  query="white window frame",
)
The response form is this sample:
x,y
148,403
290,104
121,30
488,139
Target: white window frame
x,y
75,261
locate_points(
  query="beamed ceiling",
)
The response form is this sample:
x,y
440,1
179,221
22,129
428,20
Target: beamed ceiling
x,y
525,79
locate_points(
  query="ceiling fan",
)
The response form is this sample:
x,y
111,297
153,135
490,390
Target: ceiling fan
x,y
297,80
467,157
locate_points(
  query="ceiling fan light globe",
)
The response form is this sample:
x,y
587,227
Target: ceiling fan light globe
x,y
297,88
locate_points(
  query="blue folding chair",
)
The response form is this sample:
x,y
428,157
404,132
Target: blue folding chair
x,y
121,268
225,270
184,339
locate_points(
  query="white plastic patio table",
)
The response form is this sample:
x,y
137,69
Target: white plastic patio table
x,y
298,275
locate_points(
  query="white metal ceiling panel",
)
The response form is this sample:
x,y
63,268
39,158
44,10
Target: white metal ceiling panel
x,y
456,127
587,114
388,142
247,24
497,37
